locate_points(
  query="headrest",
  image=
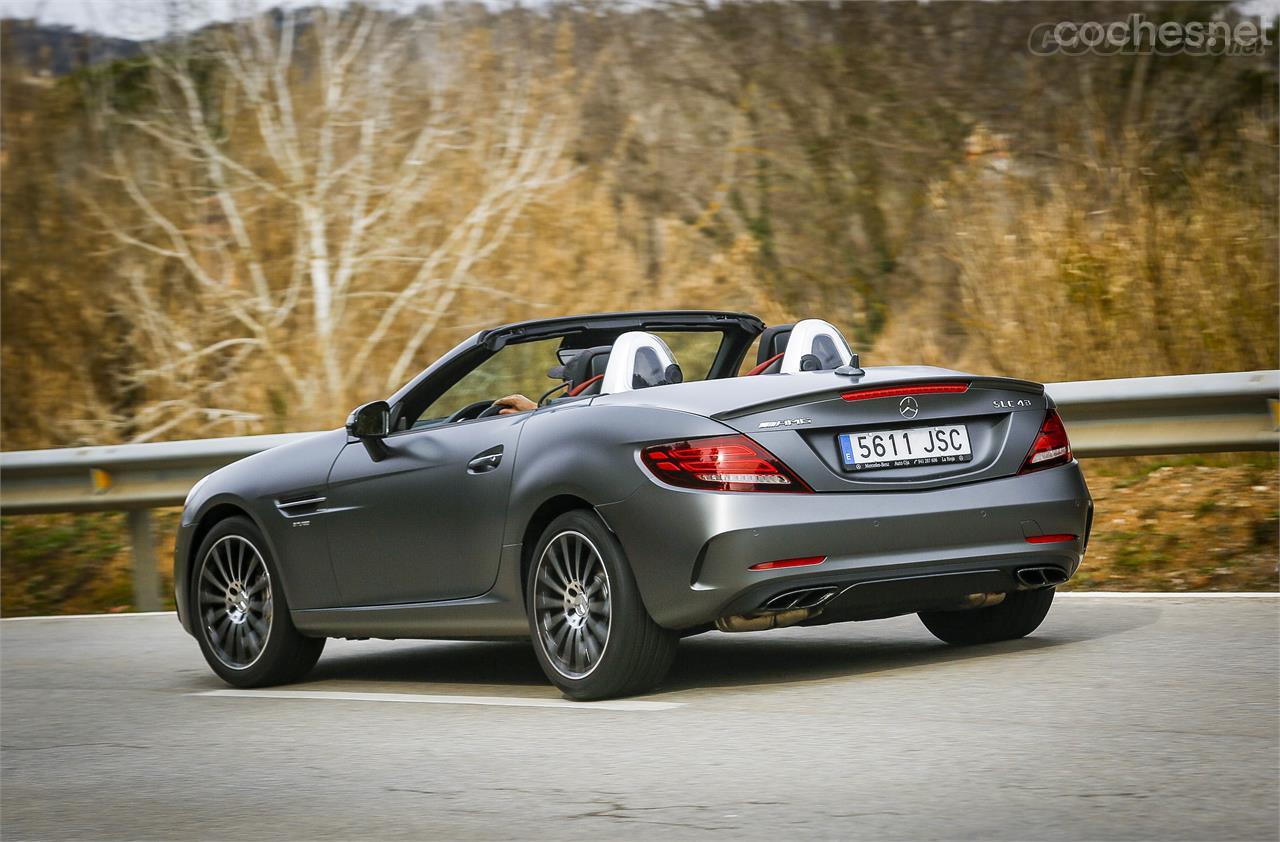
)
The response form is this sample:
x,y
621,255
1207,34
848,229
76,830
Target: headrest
x,y
814,345
773,342
584,365
639,360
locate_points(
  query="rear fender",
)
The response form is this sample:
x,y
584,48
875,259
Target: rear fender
x,y
590,452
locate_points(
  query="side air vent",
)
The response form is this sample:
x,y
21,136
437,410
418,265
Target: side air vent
x,y
301,506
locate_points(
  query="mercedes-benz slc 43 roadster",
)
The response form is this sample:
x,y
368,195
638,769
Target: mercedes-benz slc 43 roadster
x,y
659,489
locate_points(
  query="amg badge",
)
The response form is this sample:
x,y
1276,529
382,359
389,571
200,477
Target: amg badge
x,y
789,422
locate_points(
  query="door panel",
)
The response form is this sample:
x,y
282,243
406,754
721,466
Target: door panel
x,y
426,522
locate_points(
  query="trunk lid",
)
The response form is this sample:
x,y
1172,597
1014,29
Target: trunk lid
x,y
997,417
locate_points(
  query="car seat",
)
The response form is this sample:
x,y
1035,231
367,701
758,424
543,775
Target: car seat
x,y
773,342
584,371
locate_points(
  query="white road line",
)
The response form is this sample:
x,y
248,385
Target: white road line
x,y
90,616
1171,594
423,699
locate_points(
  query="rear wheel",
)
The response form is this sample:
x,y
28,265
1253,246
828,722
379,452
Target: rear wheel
x,y
591,632
1018,615
242,618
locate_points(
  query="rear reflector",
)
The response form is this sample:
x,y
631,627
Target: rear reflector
x,y
721,463
899,391
1051,447
1049,539
789,562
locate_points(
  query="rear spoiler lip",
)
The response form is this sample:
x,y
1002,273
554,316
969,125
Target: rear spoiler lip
x,y
1009,384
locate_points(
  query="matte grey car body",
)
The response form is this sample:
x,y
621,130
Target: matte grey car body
x,y
434,539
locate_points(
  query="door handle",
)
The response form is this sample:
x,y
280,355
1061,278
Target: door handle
x,y
484,462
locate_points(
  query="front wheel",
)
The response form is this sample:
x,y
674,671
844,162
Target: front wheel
x,y
591,632
1018,615
241,616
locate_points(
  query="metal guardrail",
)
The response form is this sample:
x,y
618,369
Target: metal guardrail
x,y
1186,413
120,477
1194,413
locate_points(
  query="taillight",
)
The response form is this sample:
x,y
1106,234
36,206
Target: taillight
x,y
1058,538
721,463
1051,447
899,391
789,562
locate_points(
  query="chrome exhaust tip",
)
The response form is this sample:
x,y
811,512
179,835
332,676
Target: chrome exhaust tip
x,y
801,598
778,612
1041,577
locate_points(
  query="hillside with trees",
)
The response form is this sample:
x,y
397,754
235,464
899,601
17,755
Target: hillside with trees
x,y
256,226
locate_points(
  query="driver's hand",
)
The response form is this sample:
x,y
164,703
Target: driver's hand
x,y
514,404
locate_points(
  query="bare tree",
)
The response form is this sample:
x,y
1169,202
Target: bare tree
x,y
312,191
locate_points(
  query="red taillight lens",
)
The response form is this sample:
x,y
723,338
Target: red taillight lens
x,y
1051,447
899,391
1050,539
722,463
789,562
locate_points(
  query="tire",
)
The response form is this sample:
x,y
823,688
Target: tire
x,y
1018,615
591,632
240,612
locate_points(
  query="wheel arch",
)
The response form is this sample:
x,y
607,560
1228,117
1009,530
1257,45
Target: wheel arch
x,y
584,456
206,522
541,518
224,509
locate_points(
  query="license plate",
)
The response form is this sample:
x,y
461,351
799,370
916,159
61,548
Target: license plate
x,y
874,449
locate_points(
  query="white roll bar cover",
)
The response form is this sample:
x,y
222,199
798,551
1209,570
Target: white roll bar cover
x,y
819,338
638,360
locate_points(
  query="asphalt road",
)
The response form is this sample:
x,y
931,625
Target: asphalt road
x,y
1122,718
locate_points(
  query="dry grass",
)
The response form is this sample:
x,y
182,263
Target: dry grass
x,y
1059,280
1183,524
75,564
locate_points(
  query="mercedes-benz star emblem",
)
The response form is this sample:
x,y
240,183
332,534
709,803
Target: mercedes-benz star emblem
x,y
908,407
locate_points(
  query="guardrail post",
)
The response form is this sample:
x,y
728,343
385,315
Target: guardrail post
x,y
146,581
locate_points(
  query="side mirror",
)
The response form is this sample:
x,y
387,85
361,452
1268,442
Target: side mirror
x,y
370,423
372,419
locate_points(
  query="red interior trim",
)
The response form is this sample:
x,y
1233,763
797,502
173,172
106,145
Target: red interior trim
x,y
899,391
584,384
760,368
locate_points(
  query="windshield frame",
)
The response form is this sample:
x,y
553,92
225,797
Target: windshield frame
x,y
739,331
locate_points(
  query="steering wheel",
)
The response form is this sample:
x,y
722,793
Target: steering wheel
x,y
493,410
465,414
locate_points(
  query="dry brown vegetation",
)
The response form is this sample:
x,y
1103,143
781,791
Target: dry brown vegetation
x,y
1183,524
255,227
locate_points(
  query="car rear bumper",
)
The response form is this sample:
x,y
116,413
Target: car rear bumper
x,y
691,550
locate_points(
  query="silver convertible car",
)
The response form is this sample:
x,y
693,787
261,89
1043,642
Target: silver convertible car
x,y
660,488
